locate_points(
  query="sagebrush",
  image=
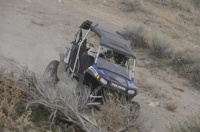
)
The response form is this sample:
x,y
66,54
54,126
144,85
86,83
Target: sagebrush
x,y
162,46
13,115
137,36
131,5
117,116
171,105
192,124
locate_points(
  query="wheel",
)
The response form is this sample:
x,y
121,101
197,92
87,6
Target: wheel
x,y
135,109
51,71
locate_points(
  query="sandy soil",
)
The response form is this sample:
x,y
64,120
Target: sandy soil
x,y
33,32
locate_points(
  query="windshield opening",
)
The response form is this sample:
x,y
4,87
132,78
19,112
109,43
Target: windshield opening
x,y
115,62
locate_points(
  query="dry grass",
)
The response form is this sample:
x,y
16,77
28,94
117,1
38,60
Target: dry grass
x,y
185,5
150,86
197,21
142,5
113,116
160,45
192,124
157,94
165,14
13,115
131,5
196,3
168,10
15,94
186,62
59,105
137,37
171,105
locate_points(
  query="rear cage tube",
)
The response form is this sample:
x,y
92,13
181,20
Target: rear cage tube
x,y
80,44
134,68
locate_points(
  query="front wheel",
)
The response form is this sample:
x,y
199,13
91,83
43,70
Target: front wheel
x,y
134,109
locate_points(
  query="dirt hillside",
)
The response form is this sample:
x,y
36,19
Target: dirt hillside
x,y
33,32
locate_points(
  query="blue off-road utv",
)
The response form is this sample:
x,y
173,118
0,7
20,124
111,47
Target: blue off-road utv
x,y
101,61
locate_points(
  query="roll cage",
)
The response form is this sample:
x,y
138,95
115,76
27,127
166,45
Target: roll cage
x,y
112,40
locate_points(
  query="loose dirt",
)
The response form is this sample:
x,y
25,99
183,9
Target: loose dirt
x,y
33,32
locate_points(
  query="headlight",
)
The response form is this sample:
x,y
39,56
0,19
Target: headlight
x,y
103,81
131,92
98,77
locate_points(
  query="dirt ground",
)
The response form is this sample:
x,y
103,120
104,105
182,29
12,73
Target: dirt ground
x,y
33,32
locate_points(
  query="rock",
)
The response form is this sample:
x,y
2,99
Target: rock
x,y
154,104
177,88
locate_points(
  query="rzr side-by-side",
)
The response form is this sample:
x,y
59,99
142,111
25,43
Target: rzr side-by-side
x,y
106,66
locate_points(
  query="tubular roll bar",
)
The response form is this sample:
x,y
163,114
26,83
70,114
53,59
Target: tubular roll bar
x,y
77,55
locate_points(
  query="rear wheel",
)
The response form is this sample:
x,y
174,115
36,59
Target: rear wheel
x,y
51,71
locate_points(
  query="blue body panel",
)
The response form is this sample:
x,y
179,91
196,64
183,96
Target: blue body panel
x,y
122,83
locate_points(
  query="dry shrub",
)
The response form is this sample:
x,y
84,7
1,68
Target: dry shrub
x,y
186,58
175,4
184,5
12,114
60,100
113,116
195,73
196,3
165,14
197,21
131,5
136,36
160,45
171,105
188,63
157,94
192,124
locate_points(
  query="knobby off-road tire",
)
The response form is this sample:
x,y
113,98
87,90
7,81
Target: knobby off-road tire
x,y
51,71
135,109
